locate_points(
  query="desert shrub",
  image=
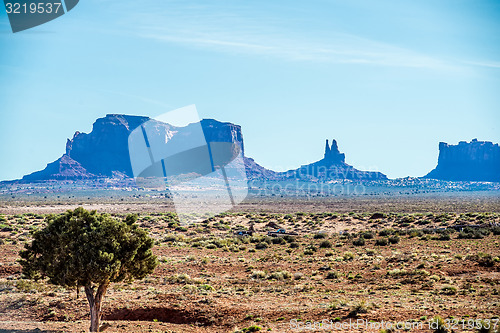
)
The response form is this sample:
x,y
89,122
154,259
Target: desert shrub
x,y
424,237
325,244
206,287
367,235
359,242
348,255
388,330
381,242
170,238
308,252
496,231
385,232
289,239
261,246
415,233
294,245
442,217
173,224
183,279
255,239
370,252
473,233
483,259
438,325
403,272
444,237
424,222
333,275
28,286
311,247
320,235
359,307
278,240
253,328
258,275
279,275
393,239
268,240
449,290
377,215
397,272
6,228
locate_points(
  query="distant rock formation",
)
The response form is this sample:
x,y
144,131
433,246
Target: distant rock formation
x,y
62,169
105,150
332,154
103,153
474,161
333,166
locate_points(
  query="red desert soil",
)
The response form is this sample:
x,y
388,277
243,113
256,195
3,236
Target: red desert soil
x,y
209,280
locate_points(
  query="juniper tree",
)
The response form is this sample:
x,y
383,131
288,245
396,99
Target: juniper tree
x,y
90,250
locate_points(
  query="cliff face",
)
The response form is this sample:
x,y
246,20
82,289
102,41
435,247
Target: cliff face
x,y
333,166
474,161
104,151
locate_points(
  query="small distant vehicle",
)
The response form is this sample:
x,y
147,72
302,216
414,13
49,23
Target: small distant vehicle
x,y
281,232
243,233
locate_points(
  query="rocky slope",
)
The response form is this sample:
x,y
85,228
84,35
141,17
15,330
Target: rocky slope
x,y
473,161
62,169
332,166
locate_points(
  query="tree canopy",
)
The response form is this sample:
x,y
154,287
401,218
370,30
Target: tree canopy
x,y
81,248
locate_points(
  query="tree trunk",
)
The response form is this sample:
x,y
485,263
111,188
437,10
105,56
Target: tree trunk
x,y
95,305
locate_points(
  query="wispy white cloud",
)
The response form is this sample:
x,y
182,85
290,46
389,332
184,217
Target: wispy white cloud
x,y
489,64
241,30
342,49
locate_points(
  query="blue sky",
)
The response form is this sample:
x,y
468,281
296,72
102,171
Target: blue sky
x,y
387,79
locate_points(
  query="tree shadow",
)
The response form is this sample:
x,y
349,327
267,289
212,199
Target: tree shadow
x,y
161,314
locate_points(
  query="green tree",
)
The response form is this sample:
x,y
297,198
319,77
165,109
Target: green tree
x,y
81,248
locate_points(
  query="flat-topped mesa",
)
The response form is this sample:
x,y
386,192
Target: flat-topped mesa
x,y
474,161
104,151
332,154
